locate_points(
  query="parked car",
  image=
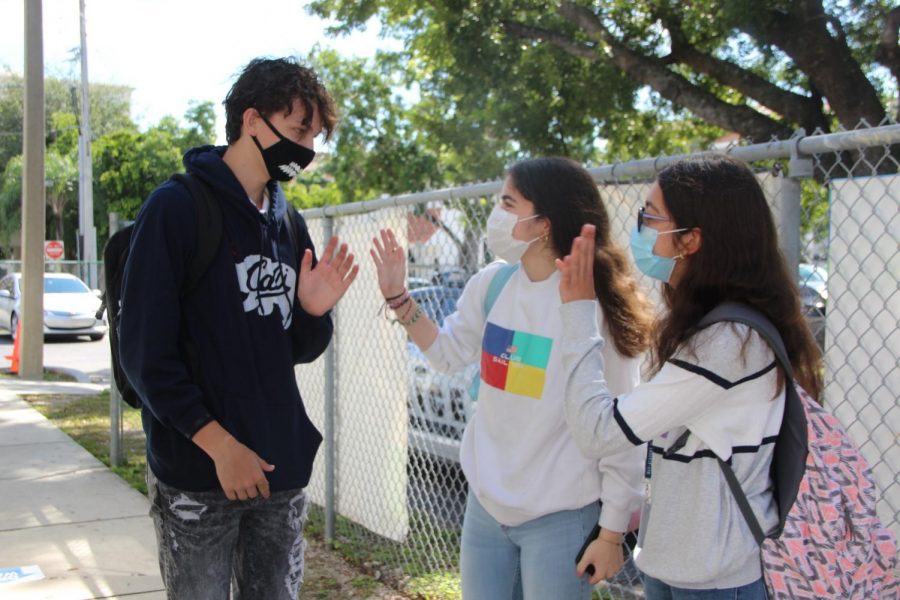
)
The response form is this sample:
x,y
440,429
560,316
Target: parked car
x,y
454,277
70,306
439,403
813,282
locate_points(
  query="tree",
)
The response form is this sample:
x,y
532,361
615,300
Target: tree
x,y
129,164
110,110
559,75
376,150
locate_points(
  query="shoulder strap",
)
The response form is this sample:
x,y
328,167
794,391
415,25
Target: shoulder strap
x,y
209,228
293,231
792,438
496,286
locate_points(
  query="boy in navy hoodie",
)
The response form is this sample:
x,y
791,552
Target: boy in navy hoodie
x,y
229,445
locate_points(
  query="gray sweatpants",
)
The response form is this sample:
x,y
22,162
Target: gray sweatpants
x,y
209,544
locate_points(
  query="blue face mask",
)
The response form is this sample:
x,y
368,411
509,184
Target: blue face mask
x,y
651,265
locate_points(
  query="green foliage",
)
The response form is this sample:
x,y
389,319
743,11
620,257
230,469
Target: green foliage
x,y
504,79
110,110
375,150
128,165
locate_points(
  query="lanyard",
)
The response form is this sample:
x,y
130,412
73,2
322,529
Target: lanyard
x,y
648,464
647,471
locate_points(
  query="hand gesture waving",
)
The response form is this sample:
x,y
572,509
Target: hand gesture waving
x,y
390,262
576,280
319,288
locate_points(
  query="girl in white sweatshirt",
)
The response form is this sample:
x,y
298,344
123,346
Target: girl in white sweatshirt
x,y
707,233
533,497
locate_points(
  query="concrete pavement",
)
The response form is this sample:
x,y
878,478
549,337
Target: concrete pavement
x,y
64,512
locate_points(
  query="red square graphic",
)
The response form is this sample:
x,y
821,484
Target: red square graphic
x,y
493,370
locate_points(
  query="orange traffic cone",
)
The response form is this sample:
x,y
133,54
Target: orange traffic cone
x,y
14,357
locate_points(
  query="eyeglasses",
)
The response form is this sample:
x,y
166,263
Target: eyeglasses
x,y
642,216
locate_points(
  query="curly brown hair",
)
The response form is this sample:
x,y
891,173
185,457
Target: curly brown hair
x,y
270,85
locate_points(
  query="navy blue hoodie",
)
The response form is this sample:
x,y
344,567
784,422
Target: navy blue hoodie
x,y
241,330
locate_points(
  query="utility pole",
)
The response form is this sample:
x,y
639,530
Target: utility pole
x,y
33,203
87,231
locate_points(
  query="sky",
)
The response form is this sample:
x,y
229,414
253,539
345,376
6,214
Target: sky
x,y
173,51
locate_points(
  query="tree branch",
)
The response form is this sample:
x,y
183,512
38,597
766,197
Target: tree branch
x,y
559,40
802,110
652,72
803,35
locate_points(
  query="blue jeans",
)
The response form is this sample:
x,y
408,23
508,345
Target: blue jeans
x,y
532,561
654,589
210,546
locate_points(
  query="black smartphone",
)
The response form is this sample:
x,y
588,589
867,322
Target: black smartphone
x,y
587,542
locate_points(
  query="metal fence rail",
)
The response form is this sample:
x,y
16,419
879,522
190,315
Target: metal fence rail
x,y
388,476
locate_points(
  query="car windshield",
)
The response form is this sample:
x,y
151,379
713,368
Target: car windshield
x,y
811,274
64,285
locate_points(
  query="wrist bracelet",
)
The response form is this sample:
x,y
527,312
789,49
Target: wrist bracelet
x,y
415,317
392,298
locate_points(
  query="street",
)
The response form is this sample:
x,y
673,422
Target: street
x,y
80,354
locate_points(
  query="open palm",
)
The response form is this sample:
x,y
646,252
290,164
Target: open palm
x,y
321,287
390,263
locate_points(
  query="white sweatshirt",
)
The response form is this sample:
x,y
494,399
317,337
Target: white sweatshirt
x,y
692,532
519,458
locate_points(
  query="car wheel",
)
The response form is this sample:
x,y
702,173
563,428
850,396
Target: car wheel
x,y
96,337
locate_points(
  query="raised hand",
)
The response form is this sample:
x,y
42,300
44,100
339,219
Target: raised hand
x,y
320,288
576,280
390,262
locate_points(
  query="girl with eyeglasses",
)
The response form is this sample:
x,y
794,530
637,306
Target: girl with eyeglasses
x,y
533,497
707,234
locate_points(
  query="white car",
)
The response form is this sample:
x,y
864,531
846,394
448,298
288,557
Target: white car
x,y
70,306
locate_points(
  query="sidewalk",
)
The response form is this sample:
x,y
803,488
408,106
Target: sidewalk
x,y
64,512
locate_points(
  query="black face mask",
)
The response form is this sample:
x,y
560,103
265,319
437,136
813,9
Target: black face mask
x,y
284,159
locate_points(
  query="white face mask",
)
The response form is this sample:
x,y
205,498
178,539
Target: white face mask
x,y
500,240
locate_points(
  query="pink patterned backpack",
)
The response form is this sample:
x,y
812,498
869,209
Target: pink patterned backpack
x,y
829,543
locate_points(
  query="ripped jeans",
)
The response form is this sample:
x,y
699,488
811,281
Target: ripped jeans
x,y
210,545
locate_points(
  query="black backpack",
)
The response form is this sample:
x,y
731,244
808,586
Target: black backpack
x,y
115,255
209,238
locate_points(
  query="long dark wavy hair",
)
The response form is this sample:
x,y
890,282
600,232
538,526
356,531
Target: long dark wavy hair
x,y
738,260
565,193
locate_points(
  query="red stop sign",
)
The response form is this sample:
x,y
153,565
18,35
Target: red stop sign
x,y
53,249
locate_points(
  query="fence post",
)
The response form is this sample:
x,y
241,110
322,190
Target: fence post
x,y
116,453
799,167
329,413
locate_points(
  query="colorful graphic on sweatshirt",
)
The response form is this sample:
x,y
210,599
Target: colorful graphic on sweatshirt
x,y
514,361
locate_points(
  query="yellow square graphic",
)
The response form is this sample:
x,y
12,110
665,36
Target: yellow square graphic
x,y
525,380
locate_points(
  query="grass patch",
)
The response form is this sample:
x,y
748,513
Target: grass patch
x,y
86,420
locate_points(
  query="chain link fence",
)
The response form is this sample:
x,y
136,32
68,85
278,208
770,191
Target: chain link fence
x,y
388,478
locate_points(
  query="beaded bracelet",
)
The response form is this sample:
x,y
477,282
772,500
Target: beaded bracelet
x,y
401,319
415,318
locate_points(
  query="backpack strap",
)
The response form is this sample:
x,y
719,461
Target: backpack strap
x,y
293,227
209,228
792,436
498,282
